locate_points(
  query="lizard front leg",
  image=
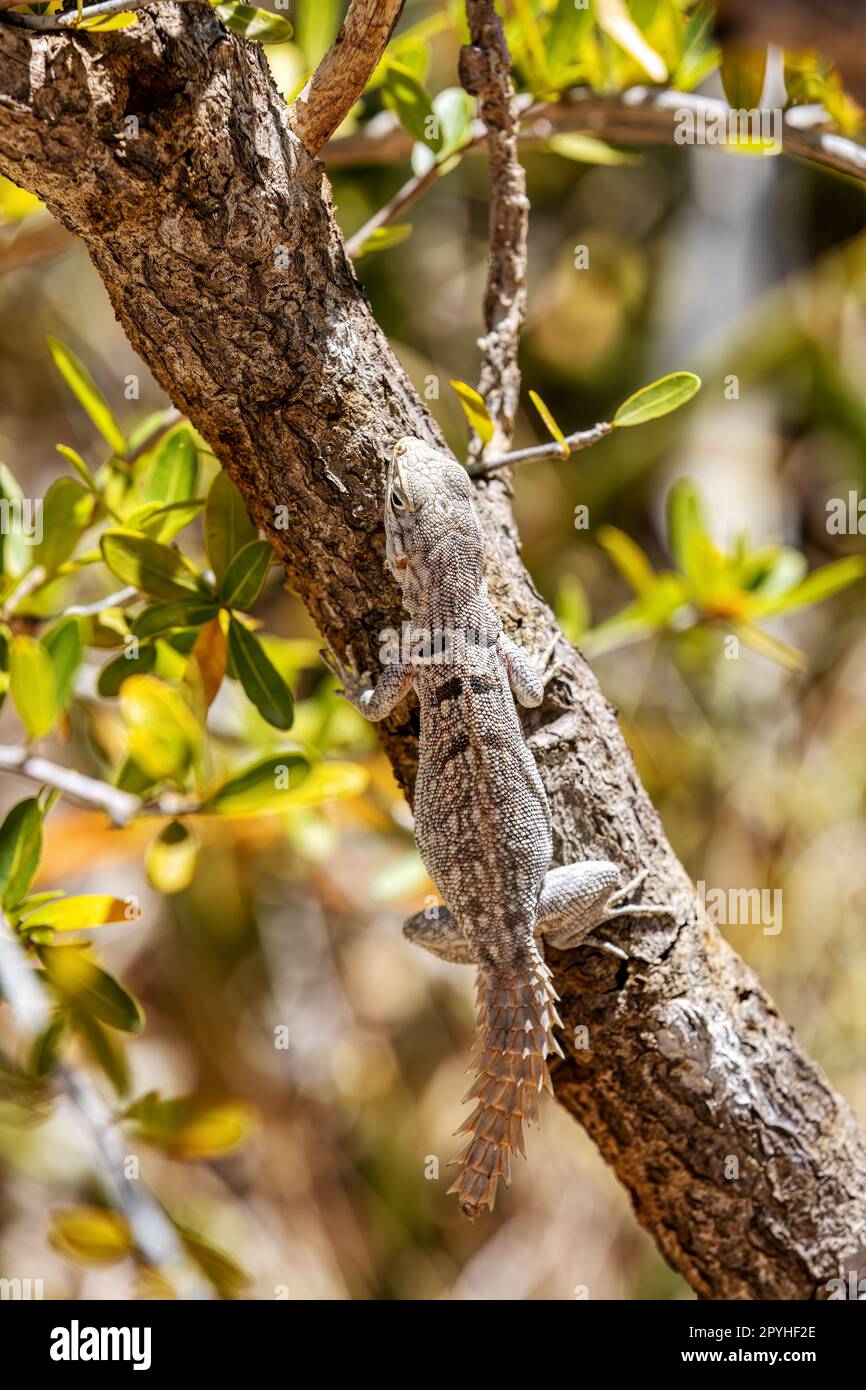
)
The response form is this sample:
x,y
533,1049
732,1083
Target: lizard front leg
x,y
579,897
436,931
526,684
377,701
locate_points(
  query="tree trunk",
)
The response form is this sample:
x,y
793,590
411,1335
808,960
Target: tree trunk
x,y
214,235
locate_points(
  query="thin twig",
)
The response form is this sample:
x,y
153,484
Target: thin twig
x,y
582,439
344,72
485,72
403,199
100,605
60,23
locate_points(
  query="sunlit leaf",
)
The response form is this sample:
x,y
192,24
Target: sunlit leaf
x,y
33,685
226,1276
91,1235
46,1048
588,149
191,1129
659,398
551,424
630,560
568,27
20,848
253,23
475,411
148,565
267,786
262,683
245,577
172,858
163,733
79,913
817,586
381,238
88,395
613,17
700,54
66,512
103,24
174,474
227,526
162,523
773,648
454,109
207,666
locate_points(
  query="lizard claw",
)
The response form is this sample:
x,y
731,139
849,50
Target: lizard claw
x,y
354,684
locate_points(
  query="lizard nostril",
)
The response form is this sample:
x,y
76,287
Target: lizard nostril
x,y
400,450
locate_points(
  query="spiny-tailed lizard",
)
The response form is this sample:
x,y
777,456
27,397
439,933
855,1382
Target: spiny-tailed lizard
x,y
482,821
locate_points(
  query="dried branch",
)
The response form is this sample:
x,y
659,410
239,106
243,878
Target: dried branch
x,y
121,806
485,72
344,72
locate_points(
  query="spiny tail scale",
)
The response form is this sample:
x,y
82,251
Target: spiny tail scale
x,y
516,1018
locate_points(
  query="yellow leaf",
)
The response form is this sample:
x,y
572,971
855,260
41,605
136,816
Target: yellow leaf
x,y
475,411
551,424
614,18
79,913
91,1236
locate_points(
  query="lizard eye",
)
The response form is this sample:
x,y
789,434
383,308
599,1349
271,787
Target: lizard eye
x,y
398,501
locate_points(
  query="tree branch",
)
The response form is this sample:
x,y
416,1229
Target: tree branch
x,y
485,72
215,238
344,72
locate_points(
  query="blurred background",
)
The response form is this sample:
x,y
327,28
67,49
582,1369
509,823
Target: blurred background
x,y
749,271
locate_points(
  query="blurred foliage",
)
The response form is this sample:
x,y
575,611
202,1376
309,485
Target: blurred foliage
x,y
226,963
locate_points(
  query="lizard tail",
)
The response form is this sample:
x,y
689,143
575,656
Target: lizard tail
x,y
516,1017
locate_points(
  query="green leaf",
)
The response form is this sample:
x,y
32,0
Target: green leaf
x,y
381,238
819,585
454,109
742,72
267,786
90,989
700,54
67,510
569,26
174,474
227,1277
659,398
46,1048
88,395
148,565
162,523
33,685
20,849
227,526
160,618
254,23
104,1049
630,560
689,542
475,411
262,682
124,665
245,577
406,95
551,424
191,1129
172,858
63,645
588,149
770,647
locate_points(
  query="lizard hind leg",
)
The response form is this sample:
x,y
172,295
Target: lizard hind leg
x,y
516,1018
436,931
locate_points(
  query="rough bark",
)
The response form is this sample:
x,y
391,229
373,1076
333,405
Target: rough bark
x,y
214,235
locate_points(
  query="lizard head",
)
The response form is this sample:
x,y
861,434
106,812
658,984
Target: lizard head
x,y
431,526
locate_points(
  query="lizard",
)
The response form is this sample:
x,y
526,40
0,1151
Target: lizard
x,y
482,820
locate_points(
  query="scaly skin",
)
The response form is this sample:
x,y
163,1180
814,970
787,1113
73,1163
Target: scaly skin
x,y
482,822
